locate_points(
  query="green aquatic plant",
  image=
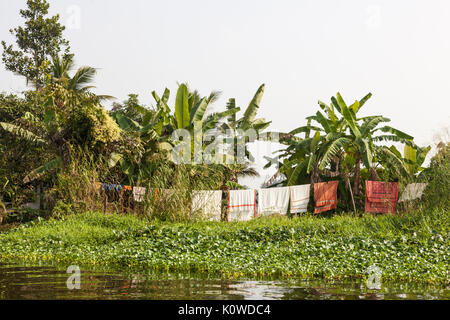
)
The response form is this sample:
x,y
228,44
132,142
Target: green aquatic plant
x,y
412,247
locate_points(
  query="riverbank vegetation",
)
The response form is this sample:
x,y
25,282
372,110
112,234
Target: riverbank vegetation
x,y
59,138
412,247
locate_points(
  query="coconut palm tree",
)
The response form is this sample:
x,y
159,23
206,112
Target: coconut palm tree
x,y
80,81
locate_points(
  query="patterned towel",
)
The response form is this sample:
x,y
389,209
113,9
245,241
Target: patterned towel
x,y
381,196
139,194
325,196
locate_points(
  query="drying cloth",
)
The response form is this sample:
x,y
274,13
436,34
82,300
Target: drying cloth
x,y
127,188
412,191
111,187
209,203
299,198
98,186
241,205
325,196
139,194
273,200
381,196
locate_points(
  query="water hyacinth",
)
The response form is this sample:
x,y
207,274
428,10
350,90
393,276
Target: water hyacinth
x,y
404,248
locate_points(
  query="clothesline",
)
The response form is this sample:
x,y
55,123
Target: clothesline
x,y
243,205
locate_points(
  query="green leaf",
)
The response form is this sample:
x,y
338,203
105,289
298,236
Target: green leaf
x,y
23,133
364,100
198,112
44,169
366,152
182,107
311,162
293,178
252,109
332,150
212,120
396,132
114,158
371,123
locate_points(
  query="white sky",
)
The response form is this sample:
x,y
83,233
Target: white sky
x,y
302,50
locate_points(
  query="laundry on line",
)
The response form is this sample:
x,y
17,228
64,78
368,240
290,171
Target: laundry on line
x,y
381,197
273,200
299,198
209,203
412,191
241,205
325,196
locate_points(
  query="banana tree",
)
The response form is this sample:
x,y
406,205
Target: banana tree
x,y
247,127
142,145
358,137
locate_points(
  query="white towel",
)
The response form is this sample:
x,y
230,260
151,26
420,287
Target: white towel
x,y
209,203
139,194
241,205
299,198
273,200
413,191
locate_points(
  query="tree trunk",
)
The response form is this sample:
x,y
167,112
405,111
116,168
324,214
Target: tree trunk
x,y
351,194
357,178
374,175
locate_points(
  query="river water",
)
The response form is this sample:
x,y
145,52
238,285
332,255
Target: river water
x,y
51,282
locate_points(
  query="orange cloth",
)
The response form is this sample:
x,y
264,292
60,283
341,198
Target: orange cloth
x,y
127,188
98,186
381,196
325,196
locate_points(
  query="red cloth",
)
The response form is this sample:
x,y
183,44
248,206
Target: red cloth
x,y
325,196
381,196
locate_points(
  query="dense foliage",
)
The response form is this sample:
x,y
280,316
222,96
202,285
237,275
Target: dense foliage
x,y
413,247
59,138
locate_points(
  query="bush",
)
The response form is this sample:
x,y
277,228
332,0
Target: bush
x,y
437,176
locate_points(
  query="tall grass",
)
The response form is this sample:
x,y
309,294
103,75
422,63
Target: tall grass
x,y
170,191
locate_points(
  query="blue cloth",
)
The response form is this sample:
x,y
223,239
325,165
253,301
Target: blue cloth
x,y
111,187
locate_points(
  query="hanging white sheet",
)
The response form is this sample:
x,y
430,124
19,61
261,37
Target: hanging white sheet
x,y
412,191
209,203
241,205
299,198
273,200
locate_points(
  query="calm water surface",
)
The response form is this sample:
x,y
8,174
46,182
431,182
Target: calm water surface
x,y
49,282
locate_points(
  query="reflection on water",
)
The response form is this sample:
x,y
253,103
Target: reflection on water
x,y
43,282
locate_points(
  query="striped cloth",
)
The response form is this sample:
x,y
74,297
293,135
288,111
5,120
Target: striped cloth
x,y
299,198
325,196
241,205
139,194
209,203
273,200
381,197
